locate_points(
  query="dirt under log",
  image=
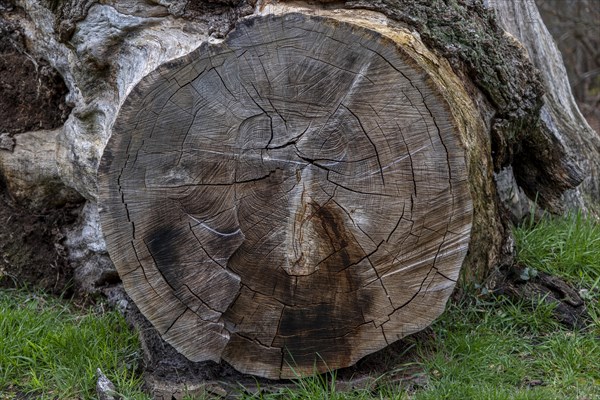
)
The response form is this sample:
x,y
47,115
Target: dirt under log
x,y
288,200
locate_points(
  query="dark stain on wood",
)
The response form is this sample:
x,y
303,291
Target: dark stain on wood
x,y
331,227
311,333
316,333
162,244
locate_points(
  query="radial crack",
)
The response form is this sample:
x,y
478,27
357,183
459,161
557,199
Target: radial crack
x,y
370,141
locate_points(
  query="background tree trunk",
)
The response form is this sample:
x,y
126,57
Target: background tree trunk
x,y
562,124
576,30
518,144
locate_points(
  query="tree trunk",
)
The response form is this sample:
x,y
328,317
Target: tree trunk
x,y
287,186
290,199
576,30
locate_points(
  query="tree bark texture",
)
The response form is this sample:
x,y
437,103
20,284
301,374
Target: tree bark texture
x,y
282,196
565,138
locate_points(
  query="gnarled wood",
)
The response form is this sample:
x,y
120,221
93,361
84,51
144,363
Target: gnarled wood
x,y
567,145
288,200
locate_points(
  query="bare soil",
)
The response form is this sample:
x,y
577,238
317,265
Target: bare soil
x,y
32,97
32,93
31,253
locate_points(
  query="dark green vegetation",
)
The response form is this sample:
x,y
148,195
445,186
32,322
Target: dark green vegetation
x,y
566,247
484,347
49,349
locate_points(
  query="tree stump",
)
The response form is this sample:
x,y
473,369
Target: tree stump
x,y
289,199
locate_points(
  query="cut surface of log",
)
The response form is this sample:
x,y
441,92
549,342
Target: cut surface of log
x,y
288,200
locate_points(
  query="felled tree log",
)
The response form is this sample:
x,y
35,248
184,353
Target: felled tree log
x,y
290,199
357,177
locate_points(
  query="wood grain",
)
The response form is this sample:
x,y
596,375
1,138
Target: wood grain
x,y
288,200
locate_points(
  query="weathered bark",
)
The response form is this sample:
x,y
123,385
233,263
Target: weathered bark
x,y
101,51
483,112
565,140
540,288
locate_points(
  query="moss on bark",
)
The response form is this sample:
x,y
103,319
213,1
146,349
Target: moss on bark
x,y
468,35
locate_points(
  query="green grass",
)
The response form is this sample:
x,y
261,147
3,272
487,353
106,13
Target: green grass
x,y
568,247
496,349
502,350
482,347
50,350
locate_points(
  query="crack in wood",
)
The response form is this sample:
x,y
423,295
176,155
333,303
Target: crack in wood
x,y
174,321
370,141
